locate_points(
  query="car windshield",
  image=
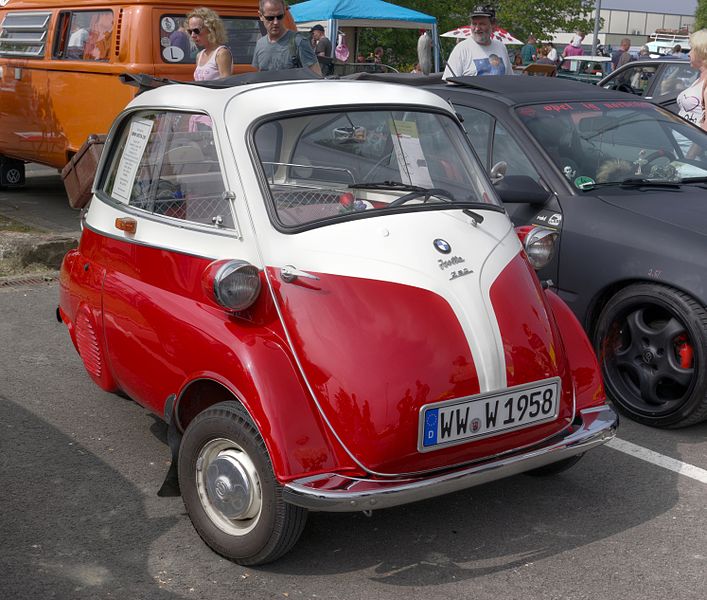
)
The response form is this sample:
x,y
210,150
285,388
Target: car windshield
x,y
610,142
329,166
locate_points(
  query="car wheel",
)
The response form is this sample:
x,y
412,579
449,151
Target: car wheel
x,y
651,342
230,491
556,467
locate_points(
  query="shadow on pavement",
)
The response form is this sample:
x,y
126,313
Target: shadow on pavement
x,y
63,535
41,203
493,528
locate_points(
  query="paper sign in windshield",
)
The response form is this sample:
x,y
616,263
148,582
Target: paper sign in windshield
x,y
408,150
135,145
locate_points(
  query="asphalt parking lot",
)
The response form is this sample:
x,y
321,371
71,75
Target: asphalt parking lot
x,y
42,203
80,468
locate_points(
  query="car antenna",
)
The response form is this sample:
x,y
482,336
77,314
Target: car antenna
x,y
448,66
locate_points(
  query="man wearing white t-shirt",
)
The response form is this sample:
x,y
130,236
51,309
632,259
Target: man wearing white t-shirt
x,y
480,54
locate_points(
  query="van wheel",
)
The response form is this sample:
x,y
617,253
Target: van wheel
x,y
230,491
651,342
12,173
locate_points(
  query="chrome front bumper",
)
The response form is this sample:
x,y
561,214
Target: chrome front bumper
x,y
337,493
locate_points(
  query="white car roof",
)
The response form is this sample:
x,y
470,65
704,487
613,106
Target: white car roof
x,y
588,58
260,99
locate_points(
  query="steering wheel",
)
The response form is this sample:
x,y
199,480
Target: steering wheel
x,y
426,193
647,160
625,87
376,166
642,163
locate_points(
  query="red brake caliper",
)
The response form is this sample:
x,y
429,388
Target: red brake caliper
x,y
684,351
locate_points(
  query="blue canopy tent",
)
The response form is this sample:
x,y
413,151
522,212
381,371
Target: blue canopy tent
x,y
333,14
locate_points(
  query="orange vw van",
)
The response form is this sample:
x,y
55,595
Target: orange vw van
x,y
60,61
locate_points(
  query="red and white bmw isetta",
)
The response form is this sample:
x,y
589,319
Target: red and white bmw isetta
x,y
314,284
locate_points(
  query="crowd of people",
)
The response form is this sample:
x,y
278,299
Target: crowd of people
x,y
480,54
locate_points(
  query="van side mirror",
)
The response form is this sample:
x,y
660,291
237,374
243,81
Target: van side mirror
x,y
521,189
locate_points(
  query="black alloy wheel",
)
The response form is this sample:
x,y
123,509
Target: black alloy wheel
x,y
651,341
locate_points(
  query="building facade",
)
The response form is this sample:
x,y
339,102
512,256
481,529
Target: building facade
x,y
638,19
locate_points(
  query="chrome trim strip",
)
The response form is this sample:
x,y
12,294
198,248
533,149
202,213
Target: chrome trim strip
x,y
598,427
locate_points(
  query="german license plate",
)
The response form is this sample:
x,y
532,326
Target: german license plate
x,y
457,421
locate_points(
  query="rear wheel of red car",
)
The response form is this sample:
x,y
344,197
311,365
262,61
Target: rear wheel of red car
x,y
230,491
651,341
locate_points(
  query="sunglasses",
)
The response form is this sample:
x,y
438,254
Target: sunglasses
x,y
273,17
195,31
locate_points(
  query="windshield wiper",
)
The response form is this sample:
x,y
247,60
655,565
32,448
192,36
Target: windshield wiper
x,y
386,185
632,182
693,180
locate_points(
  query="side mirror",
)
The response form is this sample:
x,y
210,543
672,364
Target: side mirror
x,y
516,189
498,171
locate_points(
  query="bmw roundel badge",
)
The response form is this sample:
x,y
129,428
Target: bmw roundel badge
x,y
442,246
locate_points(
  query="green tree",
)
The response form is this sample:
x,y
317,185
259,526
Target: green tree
x,y
542,18
701,15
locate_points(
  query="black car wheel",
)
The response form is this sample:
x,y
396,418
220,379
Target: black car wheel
x,y
651,341
230,491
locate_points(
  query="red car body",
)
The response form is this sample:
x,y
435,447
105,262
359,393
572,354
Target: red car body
x,y
363,374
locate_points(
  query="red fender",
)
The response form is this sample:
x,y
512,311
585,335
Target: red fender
x,y
584,367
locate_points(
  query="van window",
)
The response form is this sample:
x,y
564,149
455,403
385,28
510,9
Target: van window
x,y
84,35
177,47
24,34
165,163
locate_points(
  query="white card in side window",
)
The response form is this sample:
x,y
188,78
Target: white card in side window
x,y
411,159
135,145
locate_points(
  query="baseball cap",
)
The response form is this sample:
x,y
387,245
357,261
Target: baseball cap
x,y
317,28
483,10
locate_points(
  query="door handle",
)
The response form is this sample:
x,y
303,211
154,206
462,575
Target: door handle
x,y
288,274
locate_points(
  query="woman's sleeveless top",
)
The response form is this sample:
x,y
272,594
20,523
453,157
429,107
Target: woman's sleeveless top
x,y
208,71
690,102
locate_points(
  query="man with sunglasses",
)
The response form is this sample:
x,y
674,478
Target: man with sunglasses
x,y
281,48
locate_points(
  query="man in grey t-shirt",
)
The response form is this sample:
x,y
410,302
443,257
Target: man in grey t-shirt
x,y
280,48
320,42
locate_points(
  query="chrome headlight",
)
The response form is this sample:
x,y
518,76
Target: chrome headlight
x,y
234,284
539,244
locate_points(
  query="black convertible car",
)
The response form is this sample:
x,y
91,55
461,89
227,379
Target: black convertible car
x,y
624,183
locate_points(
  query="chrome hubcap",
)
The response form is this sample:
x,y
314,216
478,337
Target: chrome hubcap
x,y
229,486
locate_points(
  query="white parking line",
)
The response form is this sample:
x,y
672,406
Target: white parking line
x,y
659,459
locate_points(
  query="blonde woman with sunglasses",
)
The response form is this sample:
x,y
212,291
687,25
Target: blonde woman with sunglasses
x,y
208,32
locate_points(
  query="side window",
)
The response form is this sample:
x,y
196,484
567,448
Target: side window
x,y
675,78
165,163
635,80
478,126
24,34
242,33
493,143
505,148
84,35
